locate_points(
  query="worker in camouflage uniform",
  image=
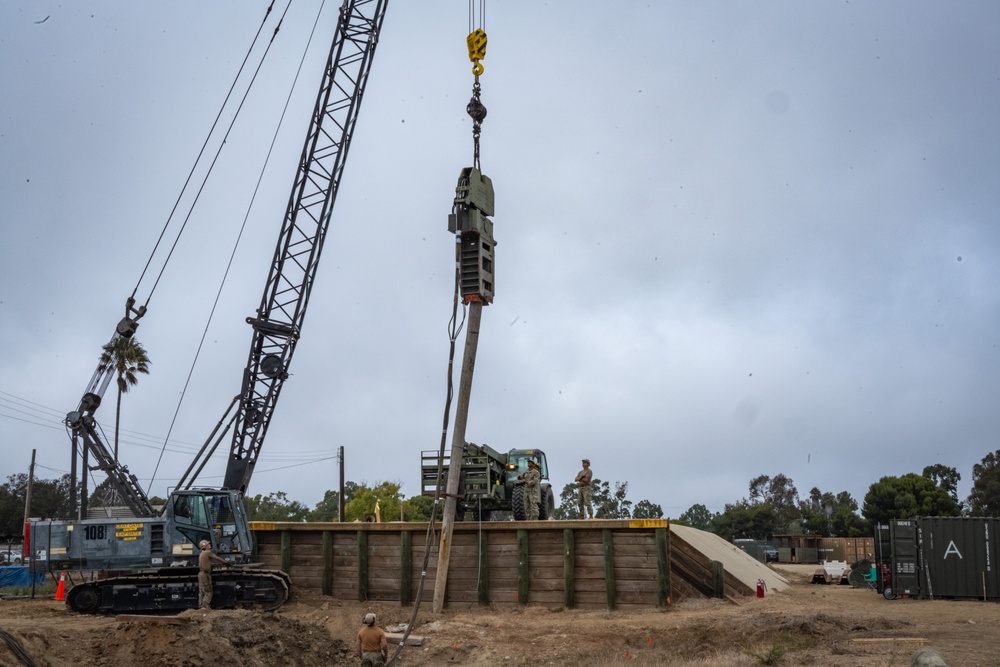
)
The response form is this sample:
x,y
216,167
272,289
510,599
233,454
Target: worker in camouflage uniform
x,y
583,490
532,479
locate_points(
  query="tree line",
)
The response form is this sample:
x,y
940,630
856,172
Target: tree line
x,y
50,499
773,505
360,500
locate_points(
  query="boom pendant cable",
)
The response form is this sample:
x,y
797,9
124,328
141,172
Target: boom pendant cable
x,y
201,154
215,158
239,237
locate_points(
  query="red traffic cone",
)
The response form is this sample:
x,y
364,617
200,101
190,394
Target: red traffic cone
x,y
61,588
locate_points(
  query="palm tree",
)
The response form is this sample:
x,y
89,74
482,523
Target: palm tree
x,y
126,357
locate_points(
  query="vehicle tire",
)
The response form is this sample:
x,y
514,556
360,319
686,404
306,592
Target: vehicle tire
x,y
481,515
547,507
517,502
84,599
888,593
17,561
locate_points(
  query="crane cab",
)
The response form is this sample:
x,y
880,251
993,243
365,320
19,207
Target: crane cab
x,y
123,541
216,515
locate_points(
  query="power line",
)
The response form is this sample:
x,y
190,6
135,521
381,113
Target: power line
x,y
52,418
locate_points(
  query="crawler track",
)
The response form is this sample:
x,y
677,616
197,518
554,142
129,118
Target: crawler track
x,y
175,589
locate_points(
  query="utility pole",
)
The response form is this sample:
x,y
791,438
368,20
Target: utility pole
x,y
340,494
27,493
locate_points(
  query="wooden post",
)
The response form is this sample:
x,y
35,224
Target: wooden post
x,y
523,580
405,568
569,568
340,496
286,551
718,579
327,584
362,566
662,566
457,444
484,568
609,567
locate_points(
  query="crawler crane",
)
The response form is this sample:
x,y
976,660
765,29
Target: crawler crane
x,y
149,560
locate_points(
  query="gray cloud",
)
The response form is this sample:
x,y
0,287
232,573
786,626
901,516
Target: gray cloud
x,y
733,240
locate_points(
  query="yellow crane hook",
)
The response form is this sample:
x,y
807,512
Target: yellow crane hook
x,y
476,41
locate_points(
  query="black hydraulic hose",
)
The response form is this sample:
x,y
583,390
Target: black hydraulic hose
x,y
17,649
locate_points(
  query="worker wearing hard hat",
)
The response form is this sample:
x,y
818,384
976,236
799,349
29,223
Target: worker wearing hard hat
x,y
205,559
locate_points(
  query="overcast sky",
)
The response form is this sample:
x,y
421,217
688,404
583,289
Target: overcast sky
x,y
733,238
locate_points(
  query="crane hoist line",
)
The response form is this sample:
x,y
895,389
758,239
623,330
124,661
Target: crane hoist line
x,y
470,222
476,42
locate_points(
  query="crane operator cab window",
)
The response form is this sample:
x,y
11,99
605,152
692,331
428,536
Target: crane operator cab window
x,y
219,510
190,509
181,507
521,463
222,521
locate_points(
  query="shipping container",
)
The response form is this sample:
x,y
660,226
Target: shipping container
x,y
945,557
904,566
847,549
797,548
758,549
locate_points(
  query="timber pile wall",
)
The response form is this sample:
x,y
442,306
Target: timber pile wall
x,y
697,575
582,564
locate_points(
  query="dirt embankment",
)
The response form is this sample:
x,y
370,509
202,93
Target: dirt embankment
x,y
806,624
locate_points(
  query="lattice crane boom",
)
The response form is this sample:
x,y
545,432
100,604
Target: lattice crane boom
x,y
279,318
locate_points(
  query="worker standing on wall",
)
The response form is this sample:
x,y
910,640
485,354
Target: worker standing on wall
x,y
583,497
532,479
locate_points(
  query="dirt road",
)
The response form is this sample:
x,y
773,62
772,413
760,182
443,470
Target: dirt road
x,y
807,624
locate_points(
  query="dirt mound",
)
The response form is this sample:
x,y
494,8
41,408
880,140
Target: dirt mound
x,y
833,626
191,639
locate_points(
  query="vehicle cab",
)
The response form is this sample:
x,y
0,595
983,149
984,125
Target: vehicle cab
x,y
517,461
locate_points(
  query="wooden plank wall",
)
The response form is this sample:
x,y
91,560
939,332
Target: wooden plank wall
x,y
582,564
694,573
